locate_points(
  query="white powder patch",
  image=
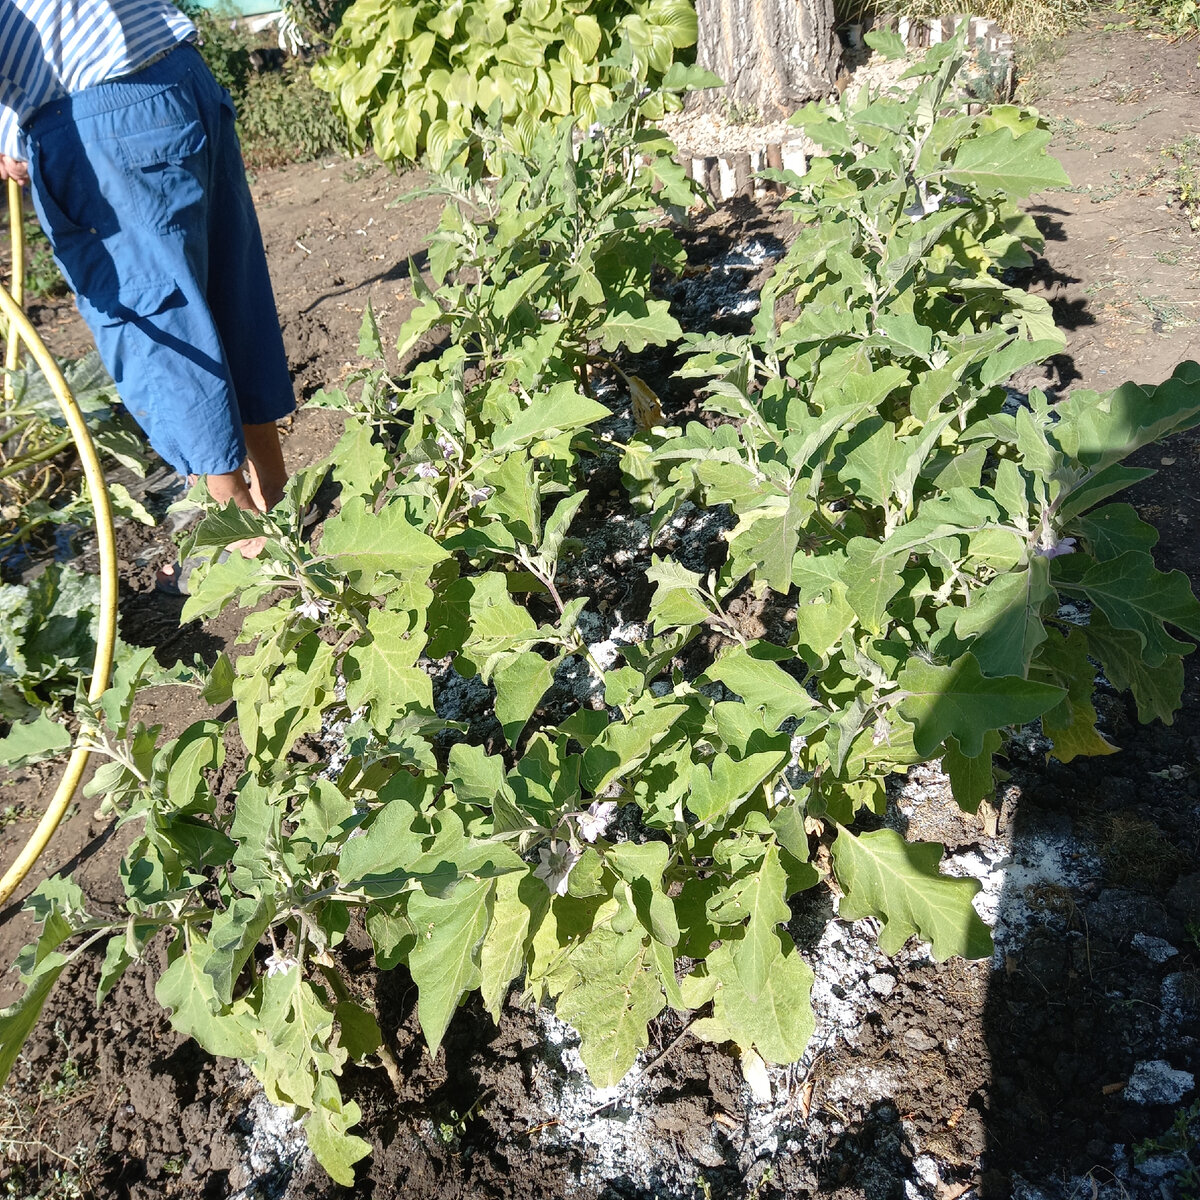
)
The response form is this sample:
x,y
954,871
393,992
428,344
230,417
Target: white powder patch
x,y
275,1149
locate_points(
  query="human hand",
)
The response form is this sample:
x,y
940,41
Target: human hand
x,y
14,168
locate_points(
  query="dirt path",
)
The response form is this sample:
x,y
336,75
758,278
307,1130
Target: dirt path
x,y
1034,1075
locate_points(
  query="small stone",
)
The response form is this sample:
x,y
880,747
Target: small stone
x,y
919,1040
1163,1166
1157,1082
1156,949
882,985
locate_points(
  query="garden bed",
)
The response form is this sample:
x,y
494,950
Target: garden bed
x,y
1037,1073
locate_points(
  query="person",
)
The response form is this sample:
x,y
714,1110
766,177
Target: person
x,y
128,145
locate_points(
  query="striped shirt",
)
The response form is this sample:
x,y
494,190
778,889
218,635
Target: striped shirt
x,y
55,48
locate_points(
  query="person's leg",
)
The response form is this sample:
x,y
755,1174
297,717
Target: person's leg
x,y
268,475
241,299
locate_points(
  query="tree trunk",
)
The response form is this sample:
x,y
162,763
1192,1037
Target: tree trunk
x,y
773,55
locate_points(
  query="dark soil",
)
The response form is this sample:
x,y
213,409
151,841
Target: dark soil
x,y
993,1079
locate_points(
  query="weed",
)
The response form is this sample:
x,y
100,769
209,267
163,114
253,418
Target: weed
x,y
1163,312
1183,1138
70,1079
284,118
1168,258
1136,852
1185,180
1176,18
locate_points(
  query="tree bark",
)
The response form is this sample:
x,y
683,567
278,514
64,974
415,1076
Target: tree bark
x,y
774,55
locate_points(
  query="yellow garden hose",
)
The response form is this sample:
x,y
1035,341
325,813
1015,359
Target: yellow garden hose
x,y
16,224
20,330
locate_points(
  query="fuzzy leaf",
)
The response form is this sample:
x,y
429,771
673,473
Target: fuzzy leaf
x,y
1157,690
521,682
884,876
633,323
186,991
1133,594
999,163
445,960
762,684
364,544
520,903
381,669
327,1129
757,898
971,779
958,700
31,741
562,409
777,1025
614,996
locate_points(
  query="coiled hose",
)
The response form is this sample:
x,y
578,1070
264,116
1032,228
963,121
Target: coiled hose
x,y
20,330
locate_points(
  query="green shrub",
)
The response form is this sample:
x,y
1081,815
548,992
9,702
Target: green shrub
x,y
284,118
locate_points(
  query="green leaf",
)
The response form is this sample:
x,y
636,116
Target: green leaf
x,y
778,1024
380,858
296,1031
519,904
370,344
1134,595
218,688
1113,529
769,537
634,322
1100,430
186,990
999,163
498,626
364,544
1157,690
871,581
362,462
714,792
1003,623
884,876
959,701
32,741
233,935
761,683
40,964
886,42
445,960
624,746
327,1130
562,409
757,898
521,682
971,779
358,1033
642,867
1071,725
613,997
381,669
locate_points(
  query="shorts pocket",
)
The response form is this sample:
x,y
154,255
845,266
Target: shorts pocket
x,y
140,299
166,167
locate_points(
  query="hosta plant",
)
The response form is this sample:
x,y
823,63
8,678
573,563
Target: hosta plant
x,y
413,78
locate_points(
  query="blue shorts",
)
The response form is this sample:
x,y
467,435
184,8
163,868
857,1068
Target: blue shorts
x,y
140,187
